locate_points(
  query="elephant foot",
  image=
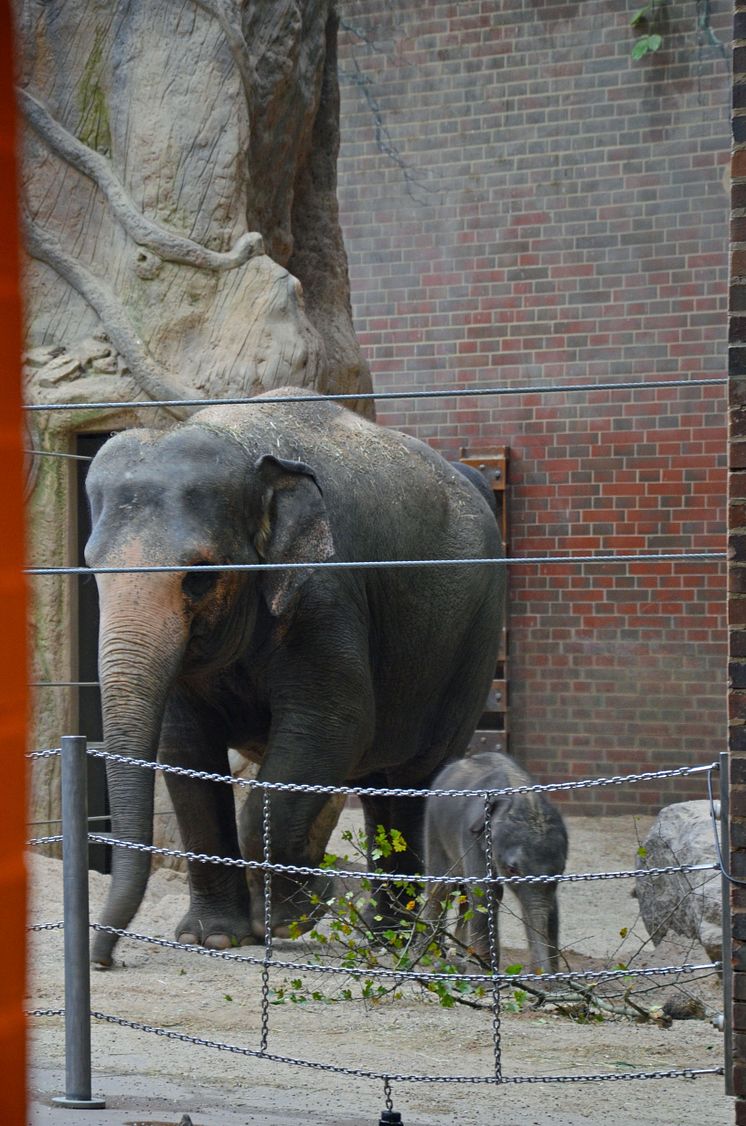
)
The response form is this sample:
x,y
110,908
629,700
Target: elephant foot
x,y
102,951
296,907
216,931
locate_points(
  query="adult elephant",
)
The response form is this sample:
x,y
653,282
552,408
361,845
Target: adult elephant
x,y
373,676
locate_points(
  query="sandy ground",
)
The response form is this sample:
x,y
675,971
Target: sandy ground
x,y
146,1079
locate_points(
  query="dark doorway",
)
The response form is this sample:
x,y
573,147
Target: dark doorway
x,y
89,698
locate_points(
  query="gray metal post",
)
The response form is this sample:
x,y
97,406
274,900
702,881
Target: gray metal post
x,y
77,954
727,955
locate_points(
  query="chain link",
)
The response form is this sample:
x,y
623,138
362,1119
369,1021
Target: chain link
x,y
492,934
394,792
387,1077
267,918
345,873
491,881
410,975
45,926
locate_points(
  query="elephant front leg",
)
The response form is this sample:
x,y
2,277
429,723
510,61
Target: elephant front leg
x,y
322,722
219,914
484,905
394,829
273,832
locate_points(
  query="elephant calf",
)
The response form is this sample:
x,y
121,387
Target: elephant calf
x,y
528,839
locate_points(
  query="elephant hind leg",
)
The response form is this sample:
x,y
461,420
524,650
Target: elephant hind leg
x,y
402,822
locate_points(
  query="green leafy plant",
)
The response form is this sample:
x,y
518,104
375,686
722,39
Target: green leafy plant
x,y
343,937
649,21
517,1002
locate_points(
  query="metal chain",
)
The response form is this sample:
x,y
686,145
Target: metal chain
x,y
492,934
409,975
362,1073
491,881
344,873
267,919
396,792
45,926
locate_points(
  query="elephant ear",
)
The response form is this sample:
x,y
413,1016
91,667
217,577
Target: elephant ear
x,y
498,807
293,528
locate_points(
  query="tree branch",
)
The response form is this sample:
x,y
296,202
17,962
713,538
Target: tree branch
x,y
167,245
155,383
230,25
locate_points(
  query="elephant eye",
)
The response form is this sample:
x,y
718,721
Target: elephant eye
x,y
196,584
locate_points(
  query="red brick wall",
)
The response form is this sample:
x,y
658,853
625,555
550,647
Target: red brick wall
x,y
525,206
734,954
735,958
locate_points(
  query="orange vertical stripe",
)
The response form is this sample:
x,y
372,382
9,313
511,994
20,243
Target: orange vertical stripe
x,y
13,616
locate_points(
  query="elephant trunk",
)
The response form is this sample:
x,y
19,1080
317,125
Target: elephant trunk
x,y
541,923
138,660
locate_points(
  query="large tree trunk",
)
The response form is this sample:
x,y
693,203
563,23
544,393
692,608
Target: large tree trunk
x,y
167,143
181,223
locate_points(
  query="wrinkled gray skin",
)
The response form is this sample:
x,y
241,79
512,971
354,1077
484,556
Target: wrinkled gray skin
x,y
371,676
528,839
479,481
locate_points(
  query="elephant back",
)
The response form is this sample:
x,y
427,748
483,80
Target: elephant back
x,y
388,494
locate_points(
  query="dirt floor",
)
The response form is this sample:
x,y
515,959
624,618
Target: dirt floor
x,y
147,1079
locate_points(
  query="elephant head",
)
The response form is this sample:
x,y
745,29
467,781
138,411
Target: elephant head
x,y
528,838
190,497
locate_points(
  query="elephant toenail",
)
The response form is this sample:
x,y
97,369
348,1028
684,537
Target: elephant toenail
x,y
218,942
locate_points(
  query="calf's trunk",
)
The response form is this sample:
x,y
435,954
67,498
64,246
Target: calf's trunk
x,y
540,919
